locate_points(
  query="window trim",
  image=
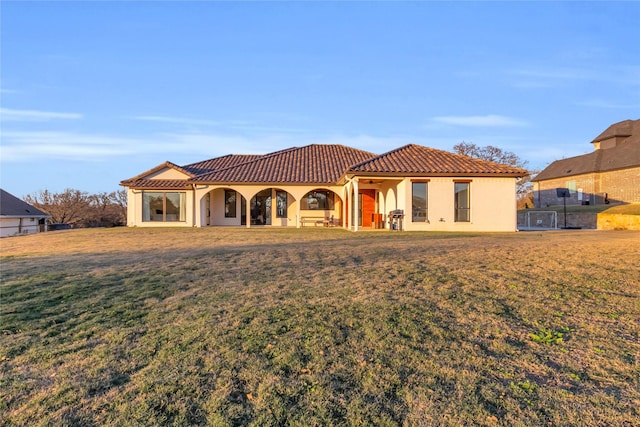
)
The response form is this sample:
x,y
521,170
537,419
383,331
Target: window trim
x,y
457,209
228,213
182,207
286,204
426,200
329,197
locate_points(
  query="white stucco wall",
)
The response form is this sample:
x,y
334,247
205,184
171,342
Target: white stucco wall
x,y
493,205
15,226
167,173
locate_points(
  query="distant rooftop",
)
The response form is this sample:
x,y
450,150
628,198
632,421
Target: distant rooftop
x,y
618,147
11,206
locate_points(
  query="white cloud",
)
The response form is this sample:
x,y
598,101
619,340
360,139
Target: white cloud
x,y
33,145
176,120
535,76
8,114
490,120
20,146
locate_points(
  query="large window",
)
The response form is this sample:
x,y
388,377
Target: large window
x,y
229,204
281,204
317,200
163,206
419,201
462,202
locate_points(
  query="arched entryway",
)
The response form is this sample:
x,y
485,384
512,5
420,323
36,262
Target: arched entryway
x,y
260,208
272,206
321,206
224,206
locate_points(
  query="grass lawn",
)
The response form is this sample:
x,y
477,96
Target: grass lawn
x,y
268,327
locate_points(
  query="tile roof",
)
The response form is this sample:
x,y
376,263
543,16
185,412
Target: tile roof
x,y
11,206
626,154
321,164
418,160
223,162
158,184
315,163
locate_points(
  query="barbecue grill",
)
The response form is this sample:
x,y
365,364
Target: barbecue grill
x,y
395,219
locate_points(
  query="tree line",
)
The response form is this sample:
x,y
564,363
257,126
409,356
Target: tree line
x,y
82,209
524,186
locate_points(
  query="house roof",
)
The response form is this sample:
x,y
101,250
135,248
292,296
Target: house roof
x,y
157,184
624,129
11,206
165,165
315,163
418,160
218,163
321,164
625,154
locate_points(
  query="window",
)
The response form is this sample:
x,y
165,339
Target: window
x,y
462,202
317,200
419,201
281,204
229,204
163,207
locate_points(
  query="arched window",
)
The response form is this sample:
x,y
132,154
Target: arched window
x,y
317,200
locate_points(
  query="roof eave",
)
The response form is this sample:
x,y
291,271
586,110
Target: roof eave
x,y
438,174
26,216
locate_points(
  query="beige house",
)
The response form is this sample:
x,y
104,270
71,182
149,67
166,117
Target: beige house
x,y
329,185
18,217
609,174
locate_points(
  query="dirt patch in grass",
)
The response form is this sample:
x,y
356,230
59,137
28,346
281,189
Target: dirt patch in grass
x,y
319,327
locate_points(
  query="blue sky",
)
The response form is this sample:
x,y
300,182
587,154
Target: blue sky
x,y
96,92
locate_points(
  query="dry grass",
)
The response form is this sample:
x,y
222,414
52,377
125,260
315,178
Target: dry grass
x,y
320,327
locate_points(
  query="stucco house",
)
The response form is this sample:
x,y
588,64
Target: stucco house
x,y
329,185
609,174
19,217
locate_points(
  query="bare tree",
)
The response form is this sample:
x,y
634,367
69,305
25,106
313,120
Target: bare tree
x,y
69,207
119,198
81,209
524,187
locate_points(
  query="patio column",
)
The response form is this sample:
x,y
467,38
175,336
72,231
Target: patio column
x,y
298,213
345,196
248,213
356,208
197,208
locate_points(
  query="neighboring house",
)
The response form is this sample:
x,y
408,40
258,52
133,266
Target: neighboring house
x,y
327,185
609,174
19,217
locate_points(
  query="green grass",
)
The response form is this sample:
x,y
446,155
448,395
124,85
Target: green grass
x,y
319,327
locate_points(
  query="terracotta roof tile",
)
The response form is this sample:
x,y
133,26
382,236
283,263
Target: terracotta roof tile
x,y
218,163
160,184
316,163
418,160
